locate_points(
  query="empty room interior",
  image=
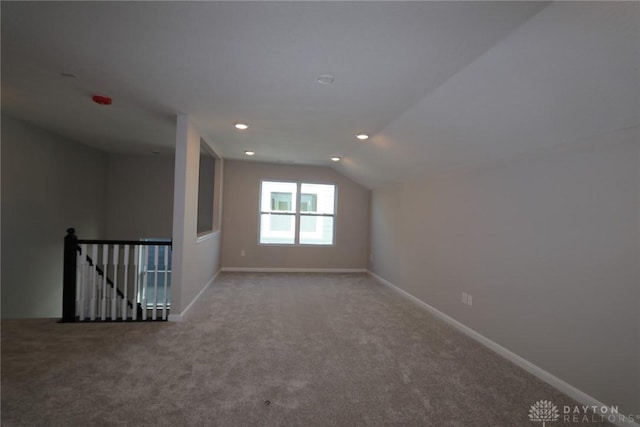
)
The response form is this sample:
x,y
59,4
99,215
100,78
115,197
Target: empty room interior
x,y
320,213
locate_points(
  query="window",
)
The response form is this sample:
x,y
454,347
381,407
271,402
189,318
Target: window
x,y
297,213
206,183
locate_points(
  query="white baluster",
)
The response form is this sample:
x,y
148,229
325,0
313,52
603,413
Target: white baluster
x,y
136,280
94,283
86,292
145,267
82,276
166,276
114,300
96,263
78,282
105,265
82,298
125,262
155,283
117,305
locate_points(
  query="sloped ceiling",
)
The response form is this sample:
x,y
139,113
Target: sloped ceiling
x,y
439,86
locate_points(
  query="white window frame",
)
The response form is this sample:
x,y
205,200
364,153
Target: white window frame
x,y
298,214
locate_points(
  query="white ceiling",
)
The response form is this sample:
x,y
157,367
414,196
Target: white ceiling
x,y
440,86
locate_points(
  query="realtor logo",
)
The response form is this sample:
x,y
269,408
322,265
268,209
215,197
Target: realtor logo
x,y
543,411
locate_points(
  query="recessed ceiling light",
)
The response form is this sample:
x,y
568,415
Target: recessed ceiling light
x,y
335,159
241,126
249,152
326,79
362,136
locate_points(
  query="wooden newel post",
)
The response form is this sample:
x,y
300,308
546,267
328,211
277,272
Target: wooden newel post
x,y
69,276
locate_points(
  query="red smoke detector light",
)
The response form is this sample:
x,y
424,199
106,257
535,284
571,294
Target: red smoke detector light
x,y
102,100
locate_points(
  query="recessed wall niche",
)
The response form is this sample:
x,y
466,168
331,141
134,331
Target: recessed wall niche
x,y
207,221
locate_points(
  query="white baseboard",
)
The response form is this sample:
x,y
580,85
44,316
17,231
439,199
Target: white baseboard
x,y
293,270
180,317
535,370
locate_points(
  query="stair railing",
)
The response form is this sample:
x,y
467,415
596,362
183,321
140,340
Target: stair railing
x,y
115,280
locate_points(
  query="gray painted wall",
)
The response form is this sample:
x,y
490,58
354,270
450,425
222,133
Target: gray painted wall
x,y
195,261
48,184
547,244
240,219
139,196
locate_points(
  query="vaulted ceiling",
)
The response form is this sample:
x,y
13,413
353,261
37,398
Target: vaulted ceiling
x,y
439,86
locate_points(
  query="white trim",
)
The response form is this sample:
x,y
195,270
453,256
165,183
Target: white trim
x,y
207,236
294,270
180,317
535,370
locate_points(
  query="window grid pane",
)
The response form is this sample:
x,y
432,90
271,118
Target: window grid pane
x,y
316,230
278,196
323,196
277,228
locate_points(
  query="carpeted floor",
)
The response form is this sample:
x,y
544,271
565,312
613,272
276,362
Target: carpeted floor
x,y
267,350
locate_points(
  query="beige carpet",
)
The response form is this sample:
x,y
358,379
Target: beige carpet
x,y
272,350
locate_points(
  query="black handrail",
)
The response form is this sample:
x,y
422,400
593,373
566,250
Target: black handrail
x,y
126,242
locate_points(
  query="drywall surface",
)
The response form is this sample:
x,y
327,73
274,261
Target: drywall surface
x,y
548,246
48,185
195,260
139,196
241,220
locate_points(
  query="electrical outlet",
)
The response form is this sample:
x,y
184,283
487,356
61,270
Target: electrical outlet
x,y
469,299
242,252
465,297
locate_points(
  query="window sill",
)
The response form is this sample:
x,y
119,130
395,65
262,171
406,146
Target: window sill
x,y
297,245
206,236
